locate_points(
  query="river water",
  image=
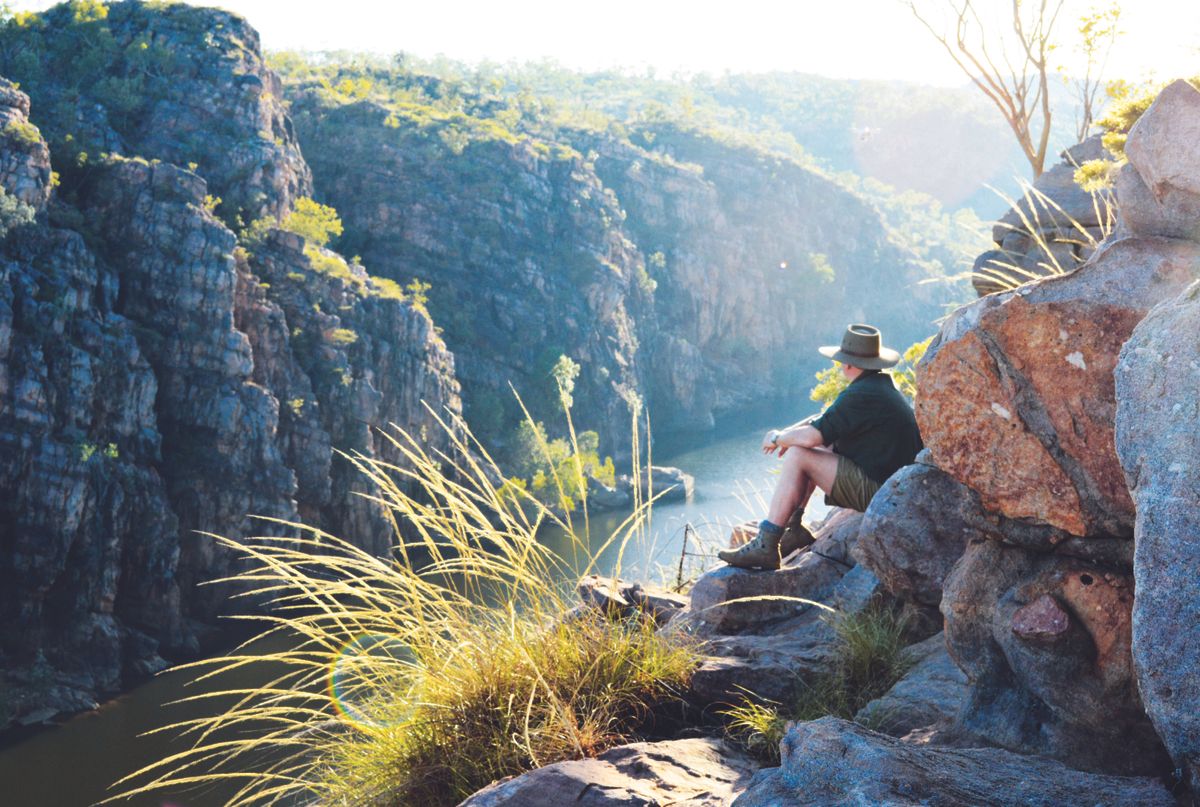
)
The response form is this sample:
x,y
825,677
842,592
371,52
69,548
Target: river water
x,y
73,764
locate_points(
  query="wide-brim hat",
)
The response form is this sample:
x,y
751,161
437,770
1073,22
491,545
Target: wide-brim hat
x,y
862,346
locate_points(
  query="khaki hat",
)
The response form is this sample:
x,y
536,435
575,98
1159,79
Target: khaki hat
x,y
861,347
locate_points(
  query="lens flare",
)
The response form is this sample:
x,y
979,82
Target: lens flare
x,y
359,670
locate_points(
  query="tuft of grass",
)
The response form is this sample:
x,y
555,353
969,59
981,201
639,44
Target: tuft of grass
x,y
421,677
1006,276
868,659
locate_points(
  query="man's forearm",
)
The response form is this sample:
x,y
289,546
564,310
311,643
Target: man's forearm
x,y
801,436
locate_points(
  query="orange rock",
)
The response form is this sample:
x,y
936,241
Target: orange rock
x,y
1016,395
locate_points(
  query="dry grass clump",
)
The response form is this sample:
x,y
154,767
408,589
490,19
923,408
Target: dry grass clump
x,y
1036,211
419,678
869,658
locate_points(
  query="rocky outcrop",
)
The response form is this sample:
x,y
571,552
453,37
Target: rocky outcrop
x,y
1016,394
1157,439
765,630
24,156
833,762
89,542
1054,227
681,773
356,363
730,600
1017,402
1156,382
156,380
174,263
521,243
170,82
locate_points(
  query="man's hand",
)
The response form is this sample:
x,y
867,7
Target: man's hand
x,y
771,442
780,441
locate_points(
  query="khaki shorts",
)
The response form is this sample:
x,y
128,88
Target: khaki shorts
x,y
852,487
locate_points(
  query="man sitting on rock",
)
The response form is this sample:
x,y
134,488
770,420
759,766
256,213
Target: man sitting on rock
x,y
865,436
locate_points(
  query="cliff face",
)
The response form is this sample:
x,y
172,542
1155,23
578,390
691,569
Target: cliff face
x,y
156,379
162,81
756,260
520,242
688,270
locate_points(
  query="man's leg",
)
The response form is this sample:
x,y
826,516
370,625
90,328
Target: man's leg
x,y
804,470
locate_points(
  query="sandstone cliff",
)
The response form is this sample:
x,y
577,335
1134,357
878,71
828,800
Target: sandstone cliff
x,y
156,379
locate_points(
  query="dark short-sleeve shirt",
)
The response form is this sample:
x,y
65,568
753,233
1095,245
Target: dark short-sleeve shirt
x,y
871,423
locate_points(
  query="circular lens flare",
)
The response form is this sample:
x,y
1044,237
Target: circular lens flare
x,y
358,672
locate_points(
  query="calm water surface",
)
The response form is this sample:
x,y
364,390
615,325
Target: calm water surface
x,y
73,764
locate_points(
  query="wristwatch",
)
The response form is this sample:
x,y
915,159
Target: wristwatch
x,y
775,438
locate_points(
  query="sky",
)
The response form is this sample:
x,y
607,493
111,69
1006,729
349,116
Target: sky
x,y
878,39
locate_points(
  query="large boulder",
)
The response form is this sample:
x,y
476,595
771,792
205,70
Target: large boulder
x,y
1159,444
1016,395
1176,214
681,773
915,529
1045,640
834,762
1164,144
932,692
1159,190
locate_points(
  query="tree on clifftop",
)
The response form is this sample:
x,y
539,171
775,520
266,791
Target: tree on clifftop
x,y
1013,69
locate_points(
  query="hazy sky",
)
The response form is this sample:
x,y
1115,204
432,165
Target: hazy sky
x,y
842,38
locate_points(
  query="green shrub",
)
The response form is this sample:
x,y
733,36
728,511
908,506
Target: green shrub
x,y
387,288
23,132
13,213
818,264
342,337
418,293
331,264
318,223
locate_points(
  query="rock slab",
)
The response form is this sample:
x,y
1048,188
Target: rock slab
x,y
832,762
932,692
679,773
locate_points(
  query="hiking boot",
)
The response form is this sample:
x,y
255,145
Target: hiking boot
x,y
795,536
760,553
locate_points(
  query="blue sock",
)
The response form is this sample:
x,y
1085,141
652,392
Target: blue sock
x,y
768,526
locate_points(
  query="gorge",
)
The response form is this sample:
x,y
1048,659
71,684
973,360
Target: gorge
x,y
253,307
173,360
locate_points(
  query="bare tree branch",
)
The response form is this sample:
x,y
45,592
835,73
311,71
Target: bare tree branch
x,y
1017,87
